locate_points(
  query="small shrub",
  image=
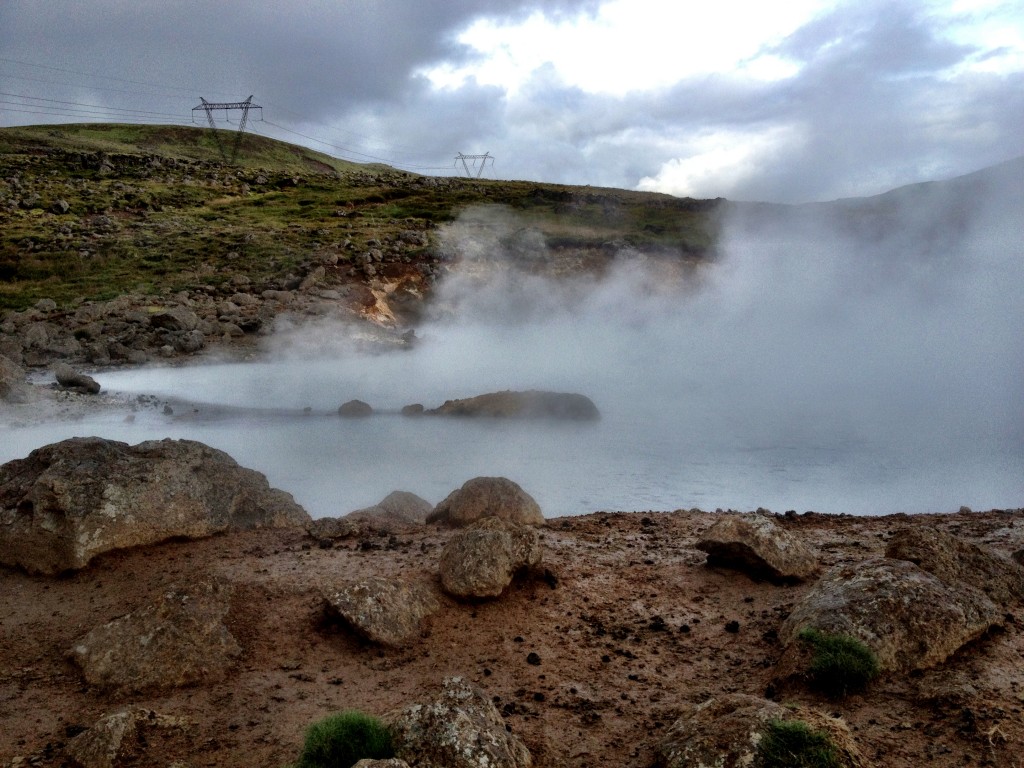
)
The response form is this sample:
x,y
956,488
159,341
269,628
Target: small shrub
x,y
342,740
840,664
793,744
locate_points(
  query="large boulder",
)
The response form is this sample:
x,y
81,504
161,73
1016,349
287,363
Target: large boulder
x,y
955,561
726,731
533,404
399,509
457,728
70,501
487,497
384,610
909,618
74,381
13,387
756,545
178,640
480,561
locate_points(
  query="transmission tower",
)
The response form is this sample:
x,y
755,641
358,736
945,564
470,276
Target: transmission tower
x,y
244,106
483,162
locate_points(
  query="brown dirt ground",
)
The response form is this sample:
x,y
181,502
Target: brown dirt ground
x,y
630,632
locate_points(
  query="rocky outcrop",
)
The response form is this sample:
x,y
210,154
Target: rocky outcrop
x,y
180,639
70,501
384,611
532,404
758,546
355,409
480,561
457,728
955,561
908,617
726,732
116,739
487,497
399,509
70,379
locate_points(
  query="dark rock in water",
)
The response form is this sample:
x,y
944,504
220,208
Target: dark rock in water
x,y
355,409
69,378
68,502
487,497
413,410
532,404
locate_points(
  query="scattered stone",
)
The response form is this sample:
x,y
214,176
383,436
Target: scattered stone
x,y
955,561
909,618
480,561
70,379
355,409
725,732
533,404
458,728
178,640
487,497
756,545
70,501
383,610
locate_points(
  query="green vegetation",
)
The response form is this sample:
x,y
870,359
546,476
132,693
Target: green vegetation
x,y
840,664
794,744
342,740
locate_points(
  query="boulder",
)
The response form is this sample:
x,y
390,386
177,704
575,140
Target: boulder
x,y
955,561
457,728
533,404
178,640
725,732
480,561
116,739
909,618
384,610
70,379
70,501
13,387
756,545
487,497
176,319
399,509
333,528
355,409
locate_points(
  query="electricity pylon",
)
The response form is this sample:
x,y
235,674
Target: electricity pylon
x,y
245,106
483,162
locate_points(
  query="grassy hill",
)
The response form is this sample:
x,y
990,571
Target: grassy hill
x,y
89,212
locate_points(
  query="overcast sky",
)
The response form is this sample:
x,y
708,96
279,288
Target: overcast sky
x,y
795,101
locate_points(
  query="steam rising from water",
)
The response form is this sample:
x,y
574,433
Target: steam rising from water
x,y
855,362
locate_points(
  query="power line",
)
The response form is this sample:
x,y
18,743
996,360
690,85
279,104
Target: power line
x,y
80,104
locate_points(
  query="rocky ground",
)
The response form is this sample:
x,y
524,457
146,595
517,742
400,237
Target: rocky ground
x,y
589,661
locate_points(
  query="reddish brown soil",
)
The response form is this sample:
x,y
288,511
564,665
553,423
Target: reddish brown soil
x,y
630,628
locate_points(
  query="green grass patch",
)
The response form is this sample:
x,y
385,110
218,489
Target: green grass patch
x,y
794,744
342,740
840,664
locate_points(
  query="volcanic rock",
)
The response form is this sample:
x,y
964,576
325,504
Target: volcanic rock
x,y
481,561
756,545
458,728
70,501
69,378
487,497
725,732
355,409
178,640
955,561
383,610
116,739
533,404
907,616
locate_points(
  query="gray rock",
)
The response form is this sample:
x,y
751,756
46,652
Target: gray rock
x,y
355,409
13,387
70,379
532,404
756,545
175,319
384,610
487,497
907,616
399,509
457,728
178,640
480,561
955,561
70,501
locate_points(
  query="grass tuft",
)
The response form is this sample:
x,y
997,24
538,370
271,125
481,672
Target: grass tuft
x,y
342,740
840,664
794,744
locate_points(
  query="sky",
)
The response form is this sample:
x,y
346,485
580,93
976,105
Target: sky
x,y
783,102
